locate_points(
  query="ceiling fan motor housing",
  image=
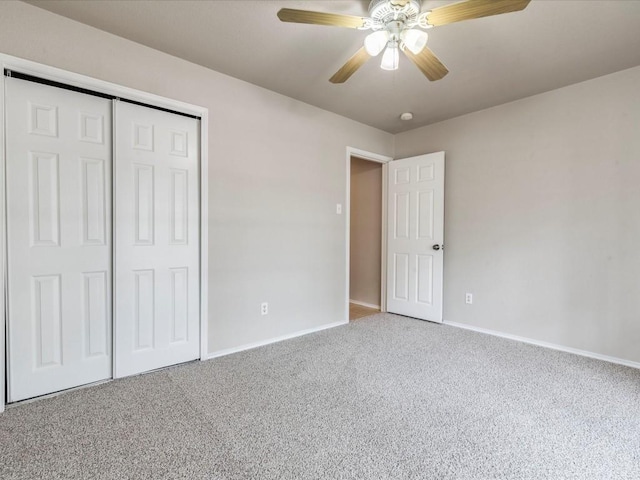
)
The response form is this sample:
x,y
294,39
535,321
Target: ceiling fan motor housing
x,y
385,11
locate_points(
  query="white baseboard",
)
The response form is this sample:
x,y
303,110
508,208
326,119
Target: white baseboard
x,y
363,304
249,346
553,346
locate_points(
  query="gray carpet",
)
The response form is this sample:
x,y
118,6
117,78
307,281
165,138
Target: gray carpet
x,y
382,398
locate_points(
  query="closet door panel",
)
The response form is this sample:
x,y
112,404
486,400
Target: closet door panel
x,y
156,239
58,232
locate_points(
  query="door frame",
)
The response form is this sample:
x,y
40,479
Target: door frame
x,y
82,81
384,160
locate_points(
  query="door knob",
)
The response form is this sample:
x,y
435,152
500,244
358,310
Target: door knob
x,y
438,247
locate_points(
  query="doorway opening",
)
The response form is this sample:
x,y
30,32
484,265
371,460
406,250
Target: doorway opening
x,y
411,235
366,215
365,239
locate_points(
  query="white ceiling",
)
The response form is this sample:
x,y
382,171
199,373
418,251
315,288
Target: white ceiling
x,y
552,43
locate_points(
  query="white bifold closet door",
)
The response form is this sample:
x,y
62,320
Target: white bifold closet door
x,y
156,239
58,155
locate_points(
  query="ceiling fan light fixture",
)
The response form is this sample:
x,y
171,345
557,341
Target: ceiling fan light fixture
x,y
415,40
399,25
391,57
375,42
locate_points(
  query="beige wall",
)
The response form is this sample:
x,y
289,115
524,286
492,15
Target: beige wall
x,y
276,173
542,219
366,231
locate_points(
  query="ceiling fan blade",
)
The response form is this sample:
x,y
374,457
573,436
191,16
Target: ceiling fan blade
x,y
349,68
428,63
320,18
473,9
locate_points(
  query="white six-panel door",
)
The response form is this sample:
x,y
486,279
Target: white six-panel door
x,y
415,236
156,239
59,238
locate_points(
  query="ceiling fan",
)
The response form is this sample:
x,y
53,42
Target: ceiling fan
x,y
398,25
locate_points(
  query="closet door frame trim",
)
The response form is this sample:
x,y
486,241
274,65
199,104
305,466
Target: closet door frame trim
x,y
8,62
